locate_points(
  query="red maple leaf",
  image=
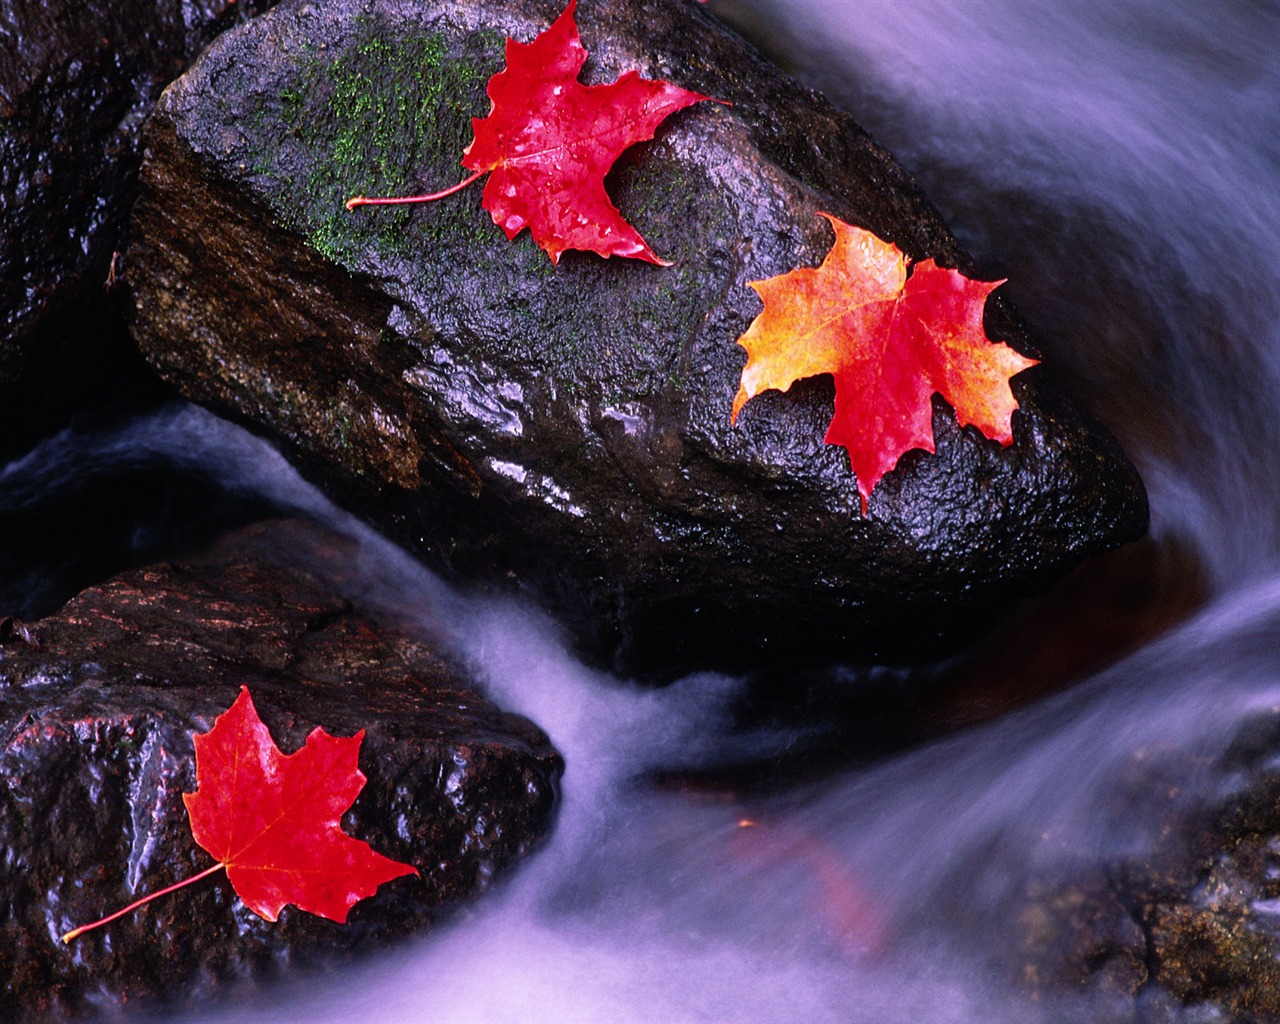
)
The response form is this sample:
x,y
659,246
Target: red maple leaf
x,y
272,820
549,141
890,341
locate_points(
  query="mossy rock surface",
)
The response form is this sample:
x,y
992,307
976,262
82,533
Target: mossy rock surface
x,y
566,429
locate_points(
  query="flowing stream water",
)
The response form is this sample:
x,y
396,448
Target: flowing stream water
x,y
1120,164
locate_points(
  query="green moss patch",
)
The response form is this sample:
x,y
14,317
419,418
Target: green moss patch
x,y
383,113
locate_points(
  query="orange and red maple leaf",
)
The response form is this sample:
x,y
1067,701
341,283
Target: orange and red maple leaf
x,y
548,142
890,341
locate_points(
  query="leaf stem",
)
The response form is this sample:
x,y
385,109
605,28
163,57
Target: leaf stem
x,y
75,932
365,201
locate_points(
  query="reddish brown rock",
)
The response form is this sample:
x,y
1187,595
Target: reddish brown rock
x,y
98,705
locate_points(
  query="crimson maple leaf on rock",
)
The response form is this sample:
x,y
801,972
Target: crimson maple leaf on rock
x,y
890,341
549,141
271,820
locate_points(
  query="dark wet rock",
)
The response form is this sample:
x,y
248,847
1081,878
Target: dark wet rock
x,y
850,715
567,429
97,709
77,79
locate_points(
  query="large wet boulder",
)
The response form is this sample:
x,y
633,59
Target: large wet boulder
x,y
98,705
566,429
77,79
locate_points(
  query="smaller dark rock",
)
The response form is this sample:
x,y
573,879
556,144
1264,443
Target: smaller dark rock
x,y
96,749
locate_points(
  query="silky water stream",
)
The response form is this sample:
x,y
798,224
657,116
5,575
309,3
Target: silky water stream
x,y
1120,164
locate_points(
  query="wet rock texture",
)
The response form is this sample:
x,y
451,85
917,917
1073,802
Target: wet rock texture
x,y
1190,927
77,79
98,705
566,430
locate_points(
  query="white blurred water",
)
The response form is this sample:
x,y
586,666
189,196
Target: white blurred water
x,y
1120,163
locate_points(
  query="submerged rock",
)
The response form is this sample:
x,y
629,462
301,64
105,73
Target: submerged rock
x,y
77,79
1187,926
98,705
566,429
